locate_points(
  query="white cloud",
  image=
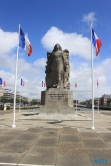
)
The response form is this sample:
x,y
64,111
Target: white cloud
x,y
75,43
8,43
83,77
90,17
40,62
8,40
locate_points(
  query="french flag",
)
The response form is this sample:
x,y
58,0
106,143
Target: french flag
x,y
25,43
96,42
43,84
97,83
75,85
4,83
1,81
22,82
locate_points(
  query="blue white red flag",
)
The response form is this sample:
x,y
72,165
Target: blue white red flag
x,y
25,43
96,42
97,83
22,82
43,84
1,81
4,83
75,85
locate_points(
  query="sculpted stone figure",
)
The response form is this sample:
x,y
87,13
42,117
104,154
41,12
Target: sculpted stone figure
x,y
57,68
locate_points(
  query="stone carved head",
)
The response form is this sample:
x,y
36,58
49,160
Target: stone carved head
x,y
57,47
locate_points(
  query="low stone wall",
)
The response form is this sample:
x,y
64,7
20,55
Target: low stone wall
x,y
25,107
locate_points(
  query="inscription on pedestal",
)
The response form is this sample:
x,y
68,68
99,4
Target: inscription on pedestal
x,y
56,97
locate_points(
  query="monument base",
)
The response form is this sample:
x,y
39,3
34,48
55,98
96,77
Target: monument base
x,y
57,102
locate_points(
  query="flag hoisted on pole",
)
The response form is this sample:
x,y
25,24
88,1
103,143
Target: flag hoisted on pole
x,y
23,42
43,84
97,83
22,82
95,41
4,83
1,81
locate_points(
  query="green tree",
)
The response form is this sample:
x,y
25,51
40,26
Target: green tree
x,y
95,102
83,103
3,99
11,100
25,102
34,102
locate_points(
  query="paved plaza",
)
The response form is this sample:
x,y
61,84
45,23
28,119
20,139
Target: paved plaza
x,y
61,142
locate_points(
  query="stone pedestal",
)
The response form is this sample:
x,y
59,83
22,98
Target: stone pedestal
x,y
57,101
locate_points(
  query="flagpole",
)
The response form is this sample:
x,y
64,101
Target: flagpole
x,y
20,99
16,79
98,99
92,75
76,100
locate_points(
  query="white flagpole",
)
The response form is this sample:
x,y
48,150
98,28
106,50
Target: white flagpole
x,y
98,98
92,74
16,80
20,99
76,100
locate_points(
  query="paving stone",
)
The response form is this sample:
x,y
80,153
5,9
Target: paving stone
x,y
109,143
70,148
85,130
41,151
68,131
3,131
73,161
52,129
17,146
35,130
40,156
85,135
46,142
50,134
106,137
4,139
100,154
7,157
95,143
69,138
14,132
28,136
103,131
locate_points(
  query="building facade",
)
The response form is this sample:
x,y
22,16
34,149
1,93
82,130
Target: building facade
x,y
102,101
1,91
9,94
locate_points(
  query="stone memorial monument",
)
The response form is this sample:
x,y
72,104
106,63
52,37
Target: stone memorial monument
x,y
57,99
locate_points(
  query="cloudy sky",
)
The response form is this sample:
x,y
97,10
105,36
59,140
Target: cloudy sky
x,y
47,22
